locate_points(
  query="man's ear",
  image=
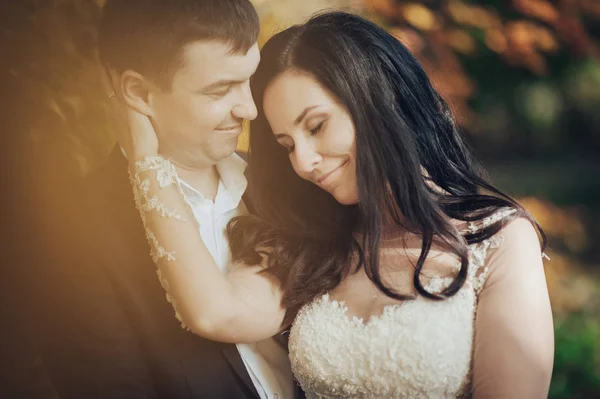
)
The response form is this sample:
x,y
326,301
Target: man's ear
x,y
135,90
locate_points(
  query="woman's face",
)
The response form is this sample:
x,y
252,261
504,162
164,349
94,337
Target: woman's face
x,y
316,130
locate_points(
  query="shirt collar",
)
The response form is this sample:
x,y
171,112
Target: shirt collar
x,y
232,181
231,171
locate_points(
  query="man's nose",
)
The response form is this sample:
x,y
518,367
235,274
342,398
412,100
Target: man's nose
x,y
245,109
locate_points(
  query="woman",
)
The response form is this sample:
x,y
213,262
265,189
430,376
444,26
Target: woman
x,y
401,271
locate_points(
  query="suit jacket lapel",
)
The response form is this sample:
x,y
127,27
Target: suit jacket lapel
x,y
235,361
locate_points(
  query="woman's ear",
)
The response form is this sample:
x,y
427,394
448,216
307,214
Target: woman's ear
x,y
135,91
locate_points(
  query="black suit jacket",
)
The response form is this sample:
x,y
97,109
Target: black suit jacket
x,y
112,333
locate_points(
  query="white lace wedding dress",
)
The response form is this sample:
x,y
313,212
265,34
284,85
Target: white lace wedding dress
x,y
415,349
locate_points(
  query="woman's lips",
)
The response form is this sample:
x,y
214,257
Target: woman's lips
x,y
326,178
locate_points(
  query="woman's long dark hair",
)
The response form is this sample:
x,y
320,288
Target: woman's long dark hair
x,y
412,164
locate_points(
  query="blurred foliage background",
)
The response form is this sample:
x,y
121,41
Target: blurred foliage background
x,y
523,77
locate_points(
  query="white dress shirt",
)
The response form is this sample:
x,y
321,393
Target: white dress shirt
x,y
266,361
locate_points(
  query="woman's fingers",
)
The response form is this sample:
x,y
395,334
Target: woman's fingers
x,y
142,136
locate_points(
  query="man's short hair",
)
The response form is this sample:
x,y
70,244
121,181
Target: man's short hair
x,y
149,36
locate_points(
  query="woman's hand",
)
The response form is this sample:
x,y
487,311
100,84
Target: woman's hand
x,y
139,138
135,131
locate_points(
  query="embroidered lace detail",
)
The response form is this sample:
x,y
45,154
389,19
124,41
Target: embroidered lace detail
x,y
478,268
165,175
415,349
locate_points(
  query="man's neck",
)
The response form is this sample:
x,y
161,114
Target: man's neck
x,y
205,180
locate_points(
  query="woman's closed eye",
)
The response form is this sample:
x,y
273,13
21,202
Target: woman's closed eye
x,y
290,147
316,129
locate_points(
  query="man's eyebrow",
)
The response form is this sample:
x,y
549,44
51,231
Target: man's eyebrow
x,y
221,83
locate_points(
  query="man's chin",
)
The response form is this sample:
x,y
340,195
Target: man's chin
x,y
221,153
201,158
227,148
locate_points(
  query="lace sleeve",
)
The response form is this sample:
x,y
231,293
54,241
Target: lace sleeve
x,y
479,252
243,305
165,176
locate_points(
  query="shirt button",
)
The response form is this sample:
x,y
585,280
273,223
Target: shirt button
x,y
276,396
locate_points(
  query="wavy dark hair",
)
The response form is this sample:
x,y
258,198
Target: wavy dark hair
x,y
412,165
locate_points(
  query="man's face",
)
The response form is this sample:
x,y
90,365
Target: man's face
x,y
199,120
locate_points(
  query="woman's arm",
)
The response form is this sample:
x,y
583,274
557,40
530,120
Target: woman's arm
x,y
514,335
242,306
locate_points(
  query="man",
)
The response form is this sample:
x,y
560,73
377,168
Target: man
x,y
186,64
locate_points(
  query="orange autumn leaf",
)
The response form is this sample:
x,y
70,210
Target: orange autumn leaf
x,y
386,8
539,9
461,41
419,16
469,15
496,40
